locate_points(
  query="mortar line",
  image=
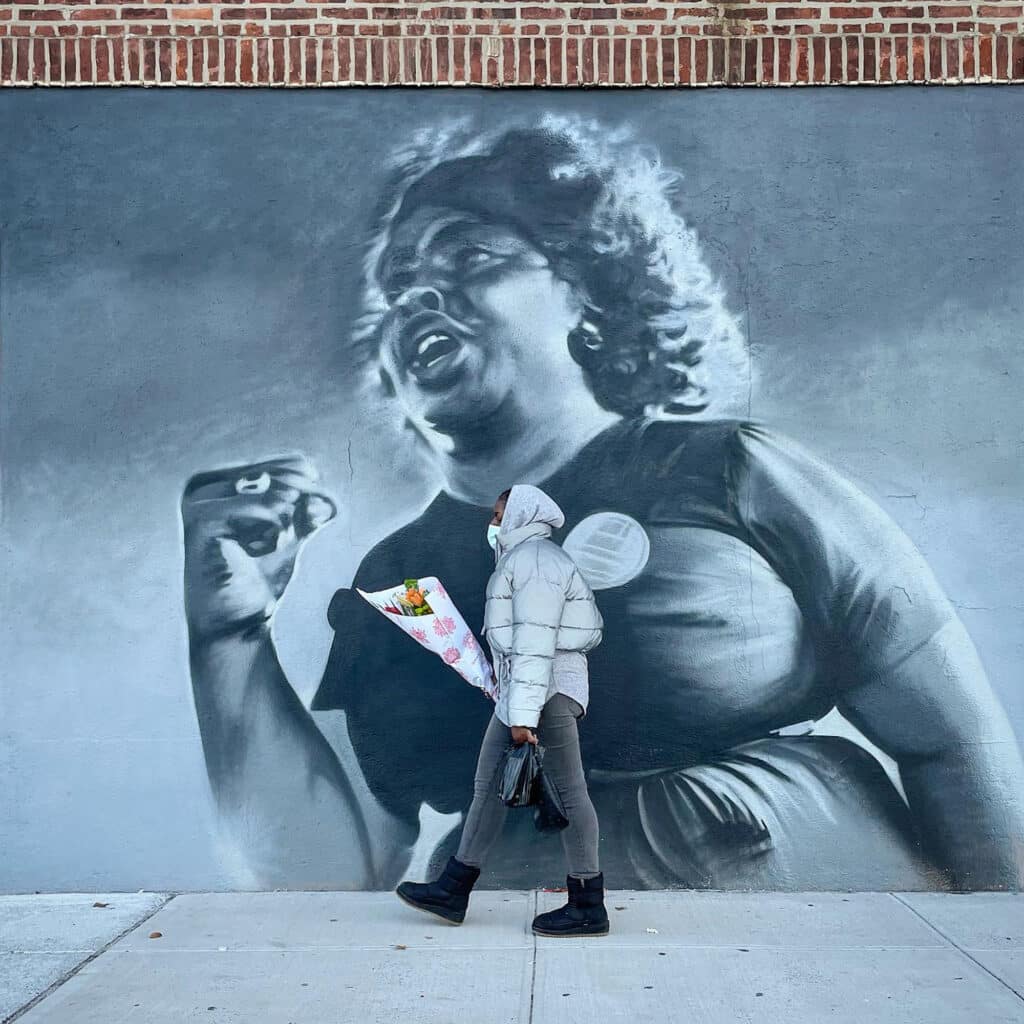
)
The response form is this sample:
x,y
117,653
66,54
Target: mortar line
x,y
46,993
956,945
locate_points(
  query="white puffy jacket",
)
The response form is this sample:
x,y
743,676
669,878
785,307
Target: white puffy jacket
x,y
538,605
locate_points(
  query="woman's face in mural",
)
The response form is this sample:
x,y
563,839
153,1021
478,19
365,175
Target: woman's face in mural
x,y
474,311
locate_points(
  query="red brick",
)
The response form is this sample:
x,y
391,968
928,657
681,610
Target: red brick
x,y
40,14
143,13
917,50
147,60
883,62
7,48
700,62
785,49
343,53
21,59
666,58
98,60
588,65
734,60
643,13
853,58
797,13
192,13
717,61
540,62
802,63
1002,58
572,60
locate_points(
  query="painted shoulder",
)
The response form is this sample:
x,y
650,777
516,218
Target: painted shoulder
x,y
683,472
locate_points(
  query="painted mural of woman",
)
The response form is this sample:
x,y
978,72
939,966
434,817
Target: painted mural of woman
x,y
541,312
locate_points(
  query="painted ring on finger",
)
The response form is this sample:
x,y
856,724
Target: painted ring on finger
x,y
253,484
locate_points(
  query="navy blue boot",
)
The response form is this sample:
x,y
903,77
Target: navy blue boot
x,y
584,914
446,898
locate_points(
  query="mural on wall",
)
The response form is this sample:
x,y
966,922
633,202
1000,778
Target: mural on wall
x,y
535,308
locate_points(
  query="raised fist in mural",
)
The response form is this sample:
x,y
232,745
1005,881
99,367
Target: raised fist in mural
x,y
244,527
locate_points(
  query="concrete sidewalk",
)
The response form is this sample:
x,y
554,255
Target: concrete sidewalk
x,y
357,958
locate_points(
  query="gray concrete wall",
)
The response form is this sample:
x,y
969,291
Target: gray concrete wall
x,y
179,275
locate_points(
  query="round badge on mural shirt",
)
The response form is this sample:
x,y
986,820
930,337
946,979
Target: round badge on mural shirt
x,y
610,549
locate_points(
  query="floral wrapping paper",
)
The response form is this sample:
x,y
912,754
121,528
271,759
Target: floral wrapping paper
x,y
442,631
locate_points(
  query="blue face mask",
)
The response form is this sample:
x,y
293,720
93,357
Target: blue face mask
x,y
492,535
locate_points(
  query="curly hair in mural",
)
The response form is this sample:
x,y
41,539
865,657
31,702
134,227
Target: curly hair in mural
x,y
656,337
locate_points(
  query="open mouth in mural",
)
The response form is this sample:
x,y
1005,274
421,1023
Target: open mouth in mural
x,y
433,349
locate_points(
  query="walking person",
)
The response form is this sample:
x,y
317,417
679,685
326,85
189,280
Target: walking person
x,y
540,620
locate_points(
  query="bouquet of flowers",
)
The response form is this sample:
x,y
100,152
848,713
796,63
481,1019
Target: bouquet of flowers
x,y
412,602
422,609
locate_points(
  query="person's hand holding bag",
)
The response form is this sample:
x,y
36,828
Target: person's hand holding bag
x,y
522,734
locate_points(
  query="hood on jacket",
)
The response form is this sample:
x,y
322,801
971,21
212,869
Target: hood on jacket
x,y
529,512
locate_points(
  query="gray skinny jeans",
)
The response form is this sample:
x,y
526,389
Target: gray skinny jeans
x,y
558,736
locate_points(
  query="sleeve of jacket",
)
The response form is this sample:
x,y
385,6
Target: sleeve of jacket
x,y
537,601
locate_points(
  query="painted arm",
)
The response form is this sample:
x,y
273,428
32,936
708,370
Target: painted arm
x,y
904,668
290,808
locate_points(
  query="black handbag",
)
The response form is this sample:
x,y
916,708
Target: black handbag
x,y
517,773
549,814
522,782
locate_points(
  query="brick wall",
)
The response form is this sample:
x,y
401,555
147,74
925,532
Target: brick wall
x,y
595,42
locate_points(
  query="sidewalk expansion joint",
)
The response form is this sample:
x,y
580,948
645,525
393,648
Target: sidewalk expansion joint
x,y
67,976
533,965
956,945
